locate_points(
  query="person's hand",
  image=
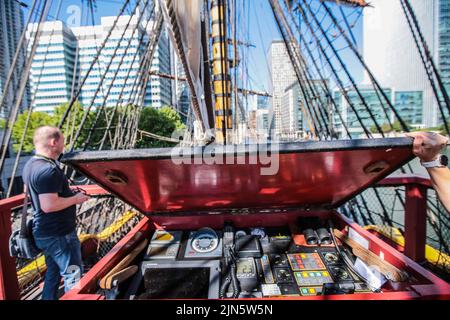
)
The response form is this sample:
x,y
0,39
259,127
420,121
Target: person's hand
x,y
427,145
81,198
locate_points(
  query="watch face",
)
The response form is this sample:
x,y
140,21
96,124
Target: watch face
x,y
444,160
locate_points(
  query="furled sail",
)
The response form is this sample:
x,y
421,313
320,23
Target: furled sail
x,y
183,19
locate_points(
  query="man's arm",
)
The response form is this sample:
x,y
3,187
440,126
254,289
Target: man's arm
x,y
440,178
51,202
427,147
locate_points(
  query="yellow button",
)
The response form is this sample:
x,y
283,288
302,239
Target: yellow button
x,y
303,255
305,274
311,290
326,274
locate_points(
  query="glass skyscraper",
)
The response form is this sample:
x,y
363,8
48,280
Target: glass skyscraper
x,y
53,68
444,41
408,104
55,75
11,26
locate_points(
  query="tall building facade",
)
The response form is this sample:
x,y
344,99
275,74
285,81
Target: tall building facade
x,y
392,55
66,54
11,26
181,97
262,103
53,74
159,89
349,116
444,41
408,104
283,75
119,57
291,113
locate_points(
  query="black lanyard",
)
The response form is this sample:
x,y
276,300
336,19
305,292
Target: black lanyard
x,y
53,162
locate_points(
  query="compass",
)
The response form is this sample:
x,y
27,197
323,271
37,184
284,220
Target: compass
x,y
205,240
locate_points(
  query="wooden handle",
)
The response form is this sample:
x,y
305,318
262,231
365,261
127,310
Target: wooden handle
x,y
107,281
119,277
371,259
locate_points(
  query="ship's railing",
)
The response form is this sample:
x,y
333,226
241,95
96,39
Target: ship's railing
x,y
406,212
20,276
416,190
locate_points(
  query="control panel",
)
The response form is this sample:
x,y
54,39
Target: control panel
x,y
312,278
262,262
306,261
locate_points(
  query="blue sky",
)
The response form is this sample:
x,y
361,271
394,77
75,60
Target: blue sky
x,y
256,26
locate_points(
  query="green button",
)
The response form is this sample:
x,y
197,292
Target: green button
x,y
304,291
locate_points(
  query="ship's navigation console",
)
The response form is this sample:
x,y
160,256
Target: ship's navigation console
x,y
243,263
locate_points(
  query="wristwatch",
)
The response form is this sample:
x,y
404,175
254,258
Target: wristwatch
x,y
440,162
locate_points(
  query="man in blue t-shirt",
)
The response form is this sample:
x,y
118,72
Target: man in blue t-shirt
x,y
54,212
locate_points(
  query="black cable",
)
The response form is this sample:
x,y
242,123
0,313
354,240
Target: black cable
x,y
108,127
428,54
30,111
322,81
345,258
20,48
6,137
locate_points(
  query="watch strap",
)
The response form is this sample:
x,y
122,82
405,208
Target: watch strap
x,y
437,163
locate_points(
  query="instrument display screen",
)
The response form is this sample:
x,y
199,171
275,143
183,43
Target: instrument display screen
x,y
176,283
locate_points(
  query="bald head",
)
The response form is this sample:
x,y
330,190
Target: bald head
x,y
48,141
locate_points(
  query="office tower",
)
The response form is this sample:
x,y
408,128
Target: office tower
x,y
53,70
283,75
11,26
392,55
114,58
159,89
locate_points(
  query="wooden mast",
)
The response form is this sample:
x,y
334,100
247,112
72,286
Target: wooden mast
x,y
221,74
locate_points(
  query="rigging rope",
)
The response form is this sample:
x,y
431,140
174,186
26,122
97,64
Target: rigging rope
x,y
6,137
111,85
367,69
74,99
20,47
30,110
427,61
102,79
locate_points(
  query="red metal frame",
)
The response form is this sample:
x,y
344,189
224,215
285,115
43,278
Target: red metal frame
x,y
319,176
429,286
415,212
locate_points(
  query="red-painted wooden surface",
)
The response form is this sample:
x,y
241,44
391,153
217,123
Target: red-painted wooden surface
x,y
316,179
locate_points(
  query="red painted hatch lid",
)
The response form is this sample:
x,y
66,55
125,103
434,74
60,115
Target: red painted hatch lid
x,y
315,175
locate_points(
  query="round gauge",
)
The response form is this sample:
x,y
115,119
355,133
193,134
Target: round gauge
x,y
340,273
240,234
205,240
258,232
331,257
279,260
